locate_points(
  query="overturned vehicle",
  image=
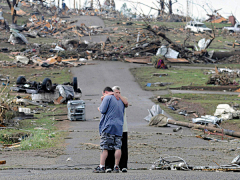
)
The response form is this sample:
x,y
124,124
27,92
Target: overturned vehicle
x,y
46,91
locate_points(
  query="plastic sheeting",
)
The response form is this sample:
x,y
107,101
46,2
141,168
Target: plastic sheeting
x,y
22,59
153,112
207,119
58,48
167,52
224,111
66,92
15,34
202,43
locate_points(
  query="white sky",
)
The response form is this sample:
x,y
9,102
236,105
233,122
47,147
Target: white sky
x,y
197,8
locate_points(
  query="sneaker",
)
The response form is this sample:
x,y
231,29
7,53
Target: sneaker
x,y
124,170
99,170
108,170
116,169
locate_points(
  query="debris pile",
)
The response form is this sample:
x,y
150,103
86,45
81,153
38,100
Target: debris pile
x,y
48,21
166,162
170,163
180,108
219,80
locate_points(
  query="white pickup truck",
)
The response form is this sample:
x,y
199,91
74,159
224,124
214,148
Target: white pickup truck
x,y
234,29
197,27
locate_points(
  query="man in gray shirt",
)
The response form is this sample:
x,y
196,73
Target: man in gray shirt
x,y
110,129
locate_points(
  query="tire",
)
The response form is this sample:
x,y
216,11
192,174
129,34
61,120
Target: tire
x,y
47,84
34,84
75,84
21,80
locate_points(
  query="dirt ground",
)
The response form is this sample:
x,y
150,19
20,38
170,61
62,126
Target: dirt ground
x,y
191,107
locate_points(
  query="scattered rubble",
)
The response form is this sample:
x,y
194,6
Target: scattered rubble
x,y
166,162
219,80
140,45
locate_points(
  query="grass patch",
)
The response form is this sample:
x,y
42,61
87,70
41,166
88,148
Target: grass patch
x,y
177,77
5,57
42,139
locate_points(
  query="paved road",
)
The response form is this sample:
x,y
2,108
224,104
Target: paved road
x,y
136,174
88,21
91,21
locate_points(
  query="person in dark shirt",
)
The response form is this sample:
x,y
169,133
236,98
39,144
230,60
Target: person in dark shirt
x,y
110,129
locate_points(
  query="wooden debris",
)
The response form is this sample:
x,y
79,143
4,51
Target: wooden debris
x,y
2,161
144,60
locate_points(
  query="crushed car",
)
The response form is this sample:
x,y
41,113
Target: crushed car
x,y
46,91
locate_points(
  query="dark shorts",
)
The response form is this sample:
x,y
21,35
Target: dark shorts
x,y
110,142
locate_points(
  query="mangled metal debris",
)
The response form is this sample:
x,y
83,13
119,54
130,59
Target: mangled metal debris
x,y
45,91
207,119
170,163
167,162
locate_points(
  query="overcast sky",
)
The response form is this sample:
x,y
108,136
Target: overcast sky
x,y
197,8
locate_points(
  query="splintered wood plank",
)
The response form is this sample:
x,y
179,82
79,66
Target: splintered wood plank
x,y
3,162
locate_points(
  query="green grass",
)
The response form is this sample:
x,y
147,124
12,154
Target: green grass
x,y
5,57
177,77
42,139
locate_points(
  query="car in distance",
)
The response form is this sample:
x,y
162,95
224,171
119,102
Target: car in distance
x,y
197,27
